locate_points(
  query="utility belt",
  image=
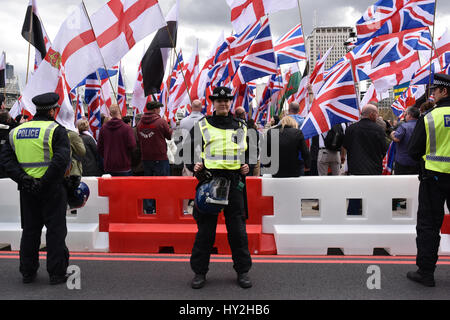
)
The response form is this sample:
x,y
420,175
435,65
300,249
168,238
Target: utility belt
x,y
433,175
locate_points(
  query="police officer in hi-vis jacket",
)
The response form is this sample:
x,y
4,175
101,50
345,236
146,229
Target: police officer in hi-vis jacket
x,y
430,144
37,157
222,139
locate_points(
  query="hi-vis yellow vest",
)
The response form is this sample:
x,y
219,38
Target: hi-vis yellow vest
x,y
437,126
223,149
32,143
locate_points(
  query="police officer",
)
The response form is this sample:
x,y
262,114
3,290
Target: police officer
x,y
430,144
220,136
37,157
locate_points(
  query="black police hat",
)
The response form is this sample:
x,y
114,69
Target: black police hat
x,y
46,101
441,80
221,93
153,105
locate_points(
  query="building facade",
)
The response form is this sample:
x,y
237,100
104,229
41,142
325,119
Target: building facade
x,y
323,38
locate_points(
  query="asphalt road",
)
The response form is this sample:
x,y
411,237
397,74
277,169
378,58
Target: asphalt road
x,y
277,278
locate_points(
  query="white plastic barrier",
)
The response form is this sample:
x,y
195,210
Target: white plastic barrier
x,y
333,228
83,228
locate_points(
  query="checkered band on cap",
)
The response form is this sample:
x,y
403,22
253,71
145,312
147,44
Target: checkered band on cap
x,y
441,83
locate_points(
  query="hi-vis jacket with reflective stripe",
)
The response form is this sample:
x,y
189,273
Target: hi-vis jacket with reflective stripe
x,y
32,144
437,126
223,148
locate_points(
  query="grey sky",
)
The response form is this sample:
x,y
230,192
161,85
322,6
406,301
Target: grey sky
x,y
202,19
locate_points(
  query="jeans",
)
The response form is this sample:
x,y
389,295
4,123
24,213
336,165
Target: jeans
x,y
154,168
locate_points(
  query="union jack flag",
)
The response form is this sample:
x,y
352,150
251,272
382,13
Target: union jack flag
x,y
92,99
395,47
317,76
422,76
388,161
361,59
239,45
335,103
259,60
392,16
290,48
79,109
121,94
407,99
274,86
302,97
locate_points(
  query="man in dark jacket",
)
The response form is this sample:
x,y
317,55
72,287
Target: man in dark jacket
x,y
37,157
152,132
365,146
115,144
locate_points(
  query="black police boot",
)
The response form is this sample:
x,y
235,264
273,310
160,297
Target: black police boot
x,y
244,280
58,279
426,279
29,278
198,281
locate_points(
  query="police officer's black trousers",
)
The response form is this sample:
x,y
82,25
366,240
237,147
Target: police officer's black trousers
x,y
432,196
237,235
49,209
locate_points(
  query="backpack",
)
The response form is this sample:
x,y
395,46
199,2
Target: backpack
x,y
335,138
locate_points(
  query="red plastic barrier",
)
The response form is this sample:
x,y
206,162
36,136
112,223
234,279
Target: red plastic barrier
x,y
445,229
132,231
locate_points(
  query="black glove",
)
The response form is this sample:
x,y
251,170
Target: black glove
x,y
72,183
203,175
30,185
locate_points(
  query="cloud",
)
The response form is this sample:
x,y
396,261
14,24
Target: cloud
x,y
202,19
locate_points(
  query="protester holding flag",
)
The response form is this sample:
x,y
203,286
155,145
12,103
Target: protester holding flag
x,y
152,132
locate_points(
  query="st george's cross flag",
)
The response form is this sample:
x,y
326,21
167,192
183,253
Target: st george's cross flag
x,y
247,12
78,50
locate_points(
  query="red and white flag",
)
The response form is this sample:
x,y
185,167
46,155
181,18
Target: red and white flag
x,y
120,24
317,76
191,71
247,12
199,85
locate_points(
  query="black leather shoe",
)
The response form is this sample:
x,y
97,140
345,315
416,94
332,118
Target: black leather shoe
x,y
244,280
58,279
198,281
29,278
422,278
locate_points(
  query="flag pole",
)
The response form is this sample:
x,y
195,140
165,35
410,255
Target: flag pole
x,y
303,31
29,43
4,89
182,72
96,41
432,47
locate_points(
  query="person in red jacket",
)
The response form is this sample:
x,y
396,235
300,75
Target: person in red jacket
x,y
115,144
152,132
